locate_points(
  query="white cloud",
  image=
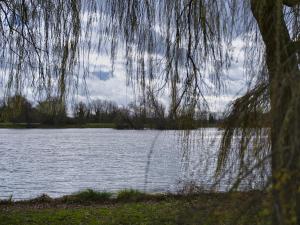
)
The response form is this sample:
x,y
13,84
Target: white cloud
x,y
115,87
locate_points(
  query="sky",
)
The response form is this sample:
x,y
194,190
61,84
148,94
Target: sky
x,y
103,84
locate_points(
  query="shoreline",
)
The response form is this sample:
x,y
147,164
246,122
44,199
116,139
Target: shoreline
x,y
43,126
86,126
91,197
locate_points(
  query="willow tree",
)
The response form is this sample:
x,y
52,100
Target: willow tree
x,y
175,44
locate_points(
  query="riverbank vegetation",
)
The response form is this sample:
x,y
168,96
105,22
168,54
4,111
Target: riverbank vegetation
x,y
19,112
134,207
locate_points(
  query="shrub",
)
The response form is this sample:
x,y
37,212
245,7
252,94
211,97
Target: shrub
x,y
90,195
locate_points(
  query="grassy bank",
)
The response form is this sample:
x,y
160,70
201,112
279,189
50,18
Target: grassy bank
x,y
133,207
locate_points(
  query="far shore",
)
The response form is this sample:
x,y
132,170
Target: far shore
x,y
45,126
86,125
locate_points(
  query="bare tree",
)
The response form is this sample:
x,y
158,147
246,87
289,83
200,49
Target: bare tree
x,y
103,111
82,112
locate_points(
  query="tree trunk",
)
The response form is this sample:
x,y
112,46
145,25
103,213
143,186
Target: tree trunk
x,y
284,80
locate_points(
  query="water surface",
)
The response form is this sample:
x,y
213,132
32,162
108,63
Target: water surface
x,y
62,161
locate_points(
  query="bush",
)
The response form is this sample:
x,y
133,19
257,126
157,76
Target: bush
x,y
131,195
89,196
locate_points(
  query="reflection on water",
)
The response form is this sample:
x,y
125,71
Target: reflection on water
x,y
63,161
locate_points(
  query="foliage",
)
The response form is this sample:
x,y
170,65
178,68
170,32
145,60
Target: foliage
x,y
17,109
131,195
52,111
89,196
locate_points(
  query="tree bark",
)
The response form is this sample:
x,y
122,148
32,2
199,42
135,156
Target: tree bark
x,y
284,80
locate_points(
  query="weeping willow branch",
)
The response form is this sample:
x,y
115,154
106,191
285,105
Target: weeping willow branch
x,y
245,119
296,46
34,43
291,3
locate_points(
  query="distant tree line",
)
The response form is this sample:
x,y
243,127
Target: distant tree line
x,y
53,112
138,115
18,109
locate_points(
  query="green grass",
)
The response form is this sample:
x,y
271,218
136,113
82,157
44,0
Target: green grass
x,y
89,125
134,207
90,195
87,196
13,125
134,195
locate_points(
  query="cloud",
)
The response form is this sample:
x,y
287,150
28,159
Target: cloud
x,y
104,84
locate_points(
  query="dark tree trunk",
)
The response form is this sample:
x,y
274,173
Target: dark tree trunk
x,y
284,77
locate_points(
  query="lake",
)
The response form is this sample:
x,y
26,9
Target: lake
x,y
63,161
